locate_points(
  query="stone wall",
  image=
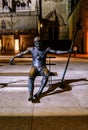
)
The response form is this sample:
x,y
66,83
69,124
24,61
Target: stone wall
x,y
23,18
29,19
61,8
18,21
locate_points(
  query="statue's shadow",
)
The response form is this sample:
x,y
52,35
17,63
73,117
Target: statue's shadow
x,y
58,87
2,85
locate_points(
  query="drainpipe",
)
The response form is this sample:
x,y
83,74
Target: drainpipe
x,y
40,9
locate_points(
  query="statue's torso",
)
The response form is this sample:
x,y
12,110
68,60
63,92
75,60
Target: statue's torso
x,y
39,57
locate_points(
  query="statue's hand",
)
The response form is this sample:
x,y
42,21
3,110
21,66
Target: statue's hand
x,y
70,51
48,49
12,61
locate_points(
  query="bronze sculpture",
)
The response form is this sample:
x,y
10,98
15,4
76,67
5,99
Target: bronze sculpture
x,y
38,66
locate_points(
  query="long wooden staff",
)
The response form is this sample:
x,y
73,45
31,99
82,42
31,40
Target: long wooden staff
x,y
79,27
62,85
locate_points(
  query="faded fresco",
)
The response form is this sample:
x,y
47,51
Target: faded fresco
x,y
18,5
8,42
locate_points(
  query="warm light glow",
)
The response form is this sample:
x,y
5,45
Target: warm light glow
x,y
16,45
41,25
0,45
87,42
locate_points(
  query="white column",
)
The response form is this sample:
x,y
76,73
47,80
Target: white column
x,y
10,3
16,45
0,5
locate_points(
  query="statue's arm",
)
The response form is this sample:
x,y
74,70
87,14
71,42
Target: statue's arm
x,y
18,56
59,52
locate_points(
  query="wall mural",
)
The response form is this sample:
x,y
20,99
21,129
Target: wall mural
x,y
26,41
18,5
8,42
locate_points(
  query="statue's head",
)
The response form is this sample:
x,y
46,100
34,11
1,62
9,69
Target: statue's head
x,y
37,42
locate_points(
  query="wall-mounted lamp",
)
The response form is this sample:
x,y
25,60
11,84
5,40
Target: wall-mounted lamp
x,y
41,25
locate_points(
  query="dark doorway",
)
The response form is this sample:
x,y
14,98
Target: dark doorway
x,y
55,33
50,33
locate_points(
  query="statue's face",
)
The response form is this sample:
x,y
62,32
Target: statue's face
x,y
38,45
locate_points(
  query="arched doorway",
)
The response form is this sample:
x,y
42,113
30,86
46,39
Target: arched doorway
x,y
53,33
57,26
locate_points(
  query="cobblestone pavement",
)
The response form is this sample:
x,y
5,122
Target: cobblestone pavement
x,y
58,109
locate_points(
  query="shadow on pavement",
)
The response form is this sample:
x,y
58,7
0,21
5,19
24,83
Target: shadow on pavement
x,y
66,87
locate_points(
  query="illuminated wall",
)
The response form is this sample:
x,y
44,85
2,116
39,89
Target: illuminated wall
x,y
84,8
87,42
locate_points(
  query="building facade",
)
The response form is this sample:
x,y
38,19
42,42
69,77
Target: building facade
x,y
22,20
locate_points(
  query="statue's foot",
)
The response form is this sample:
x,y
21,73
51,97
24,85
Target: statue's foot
x,y
31,99
62,85
37,96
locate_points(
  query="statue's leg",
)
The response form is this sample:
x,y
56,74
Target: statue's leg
x,y
45,74
31,79
30,87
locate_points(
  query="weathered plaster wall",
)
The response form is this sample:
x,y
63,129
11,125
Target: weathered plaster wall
x,y
19,21
61,7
